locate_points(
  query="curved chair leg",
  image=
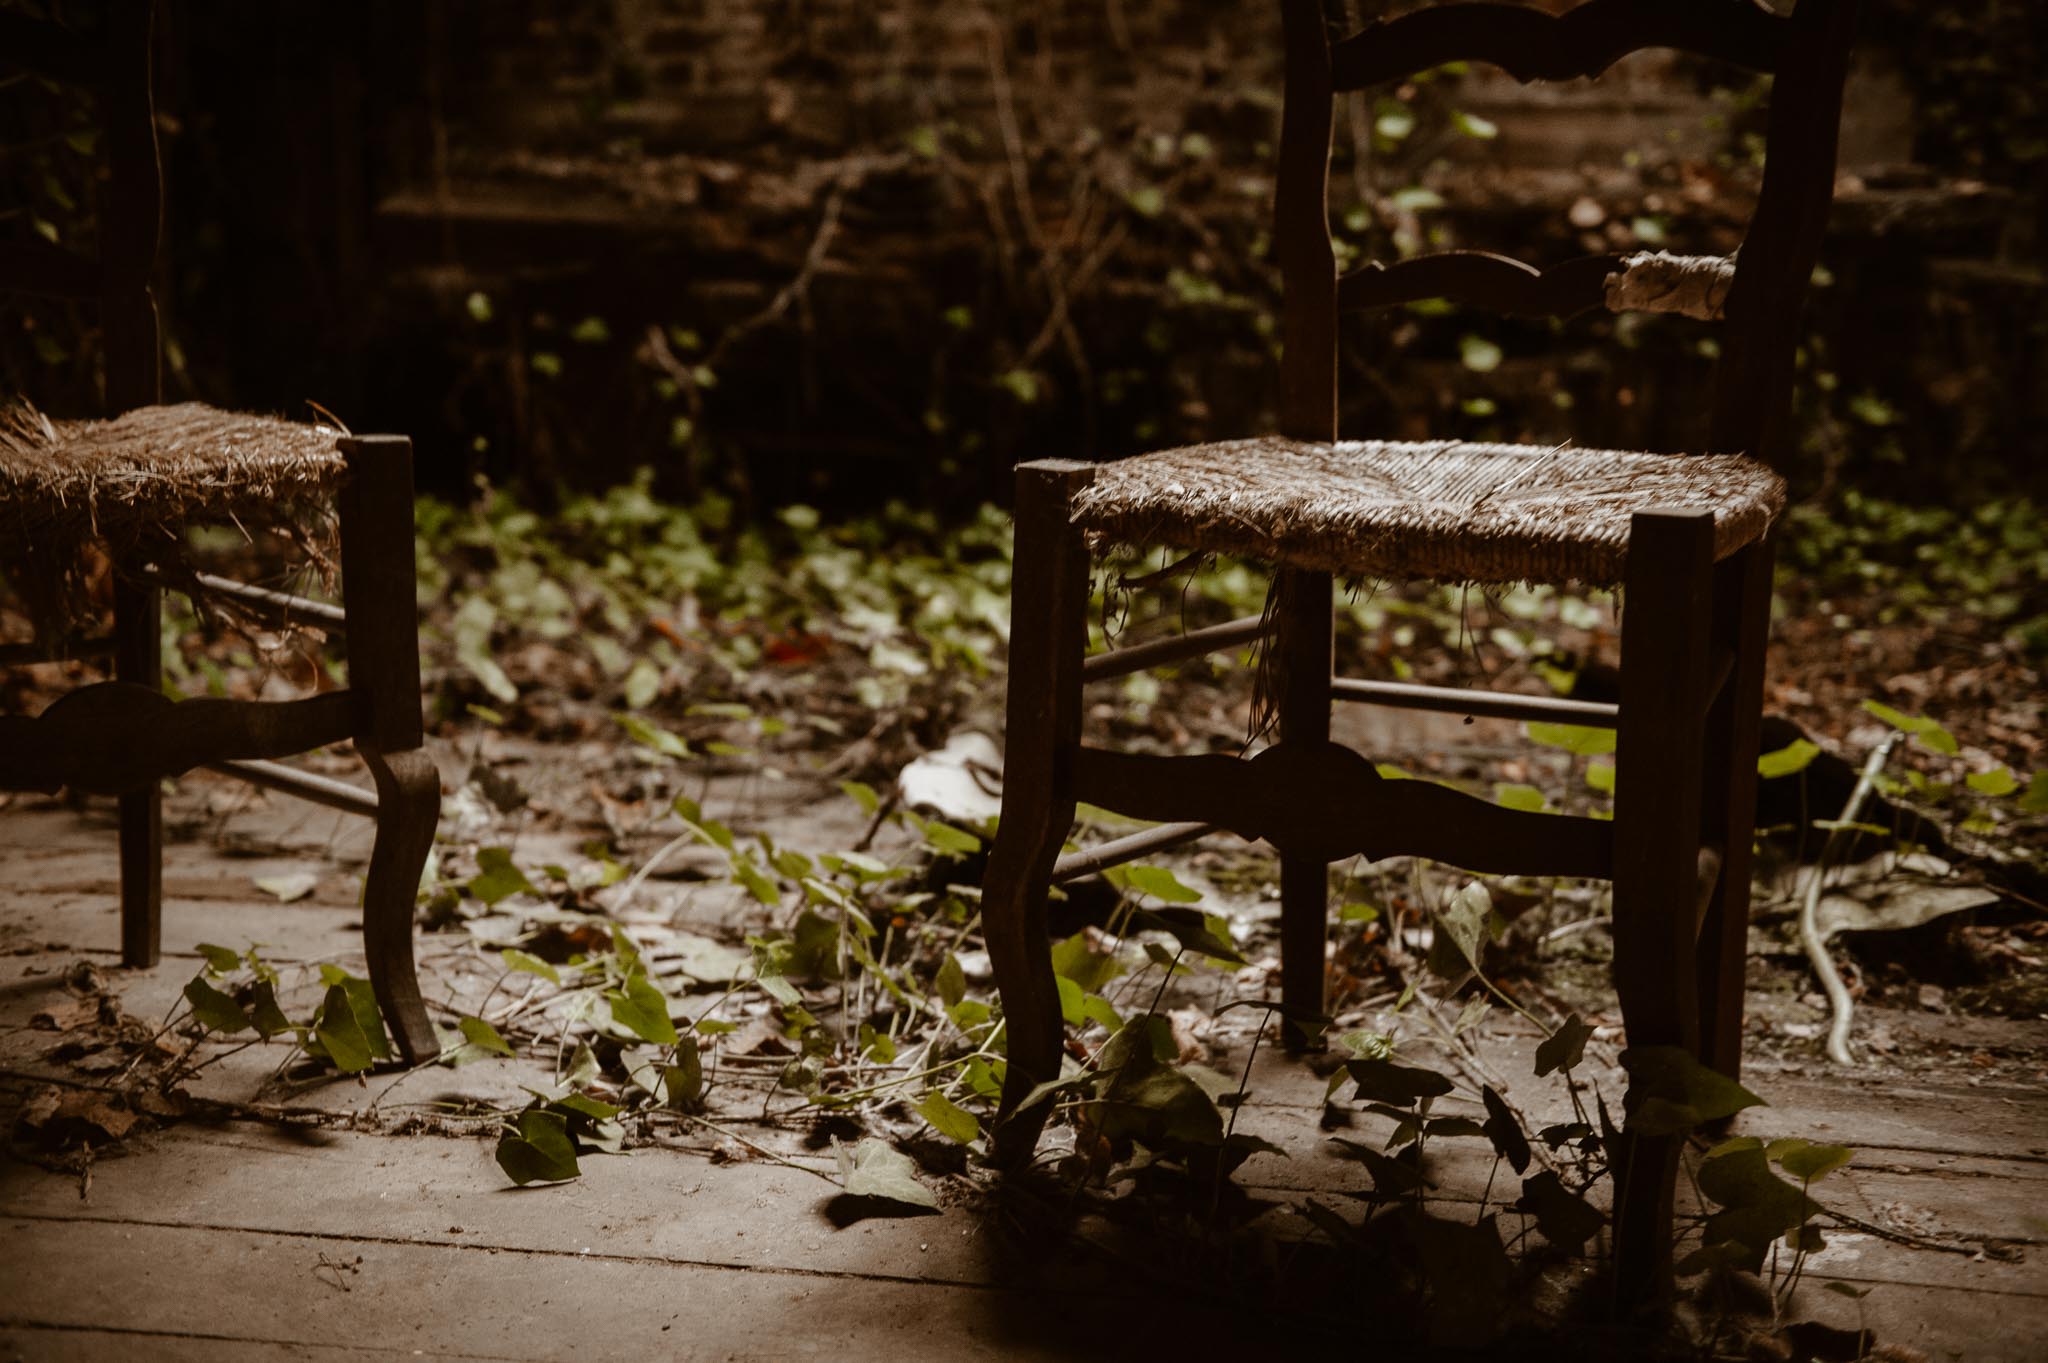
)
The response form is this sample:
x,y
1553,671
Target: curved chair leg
x,y
1048,633
1666,617
408,808
384,674
1304,646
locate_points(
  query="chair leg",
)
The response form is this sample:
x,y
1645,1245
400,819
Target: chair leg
x,y
1048,634
1742,611
1305,661
1666,629
408,808
378,588
138,658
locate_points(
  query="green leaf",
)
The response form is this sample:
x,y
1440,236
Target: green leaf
x,y
483,1036
2035,800
1504,1131
1478,354
951,841
515,959
1161,884
1600,776
1566,1219
538,1149
951,981
642,1009
1391,1177
1203,933
1510,795
583,1067
1807,1161
341,1037
1926,732
497,878
758,882
263,1011
1388,1082
653,737
220,960
1576,739
1794,757
1670,1092
1564,1047
1756,1206
1472,125
682,1082
872,1169
1071,995
1460,931
1077,960
1998,781
863,795
214,1010
950,1120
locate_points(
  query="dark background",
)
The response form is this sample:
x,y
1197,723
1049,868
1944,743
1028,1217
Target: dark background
x,y
851,249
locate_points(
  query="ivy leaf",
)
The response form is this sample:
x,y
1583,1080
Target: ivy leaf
x,y
1460,931
682,1083
949,1119
483,1036
1504,1131
341,1037
1387,1082
1578,740
1807,1161
1391,1177
873,1169
642,1009
1204,934
538,1149
496,878
1789,760
951,981
1076,959
263,1011
1671,1092
515,959
1161,884
1926,732
214,1010
1996,782
1566,1219
1564,1047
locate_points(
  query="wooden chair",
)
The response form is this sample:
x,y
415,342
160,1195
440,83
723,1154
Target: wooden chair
x,y
1687,537
135,483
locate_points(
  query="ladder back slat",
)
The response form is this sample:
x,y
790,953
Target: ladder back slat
x,y
1532,44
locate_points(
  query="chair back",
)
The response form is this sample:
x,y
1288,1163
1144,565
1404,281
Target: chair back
x,y
1806,54
116,65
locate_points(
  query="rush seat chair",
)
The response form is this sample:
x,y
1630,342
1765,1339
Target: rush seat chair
x,y
134,484
1687,536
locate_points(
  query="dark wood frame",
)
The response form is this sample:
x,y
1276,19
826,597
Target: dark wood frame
x,y
1693,631
122,737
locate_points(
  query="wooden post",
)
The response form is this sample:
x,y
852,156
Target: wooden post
x,y
1665,638
1742,618
130,215
1048,634
1306,660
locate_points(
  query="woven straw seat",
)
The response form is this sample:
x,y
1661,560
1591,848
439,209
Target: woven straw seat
x,y
1446,510
135,484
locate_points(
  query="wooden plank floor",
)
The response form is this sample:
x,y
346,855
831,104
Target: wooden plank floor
x,y
240,1240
